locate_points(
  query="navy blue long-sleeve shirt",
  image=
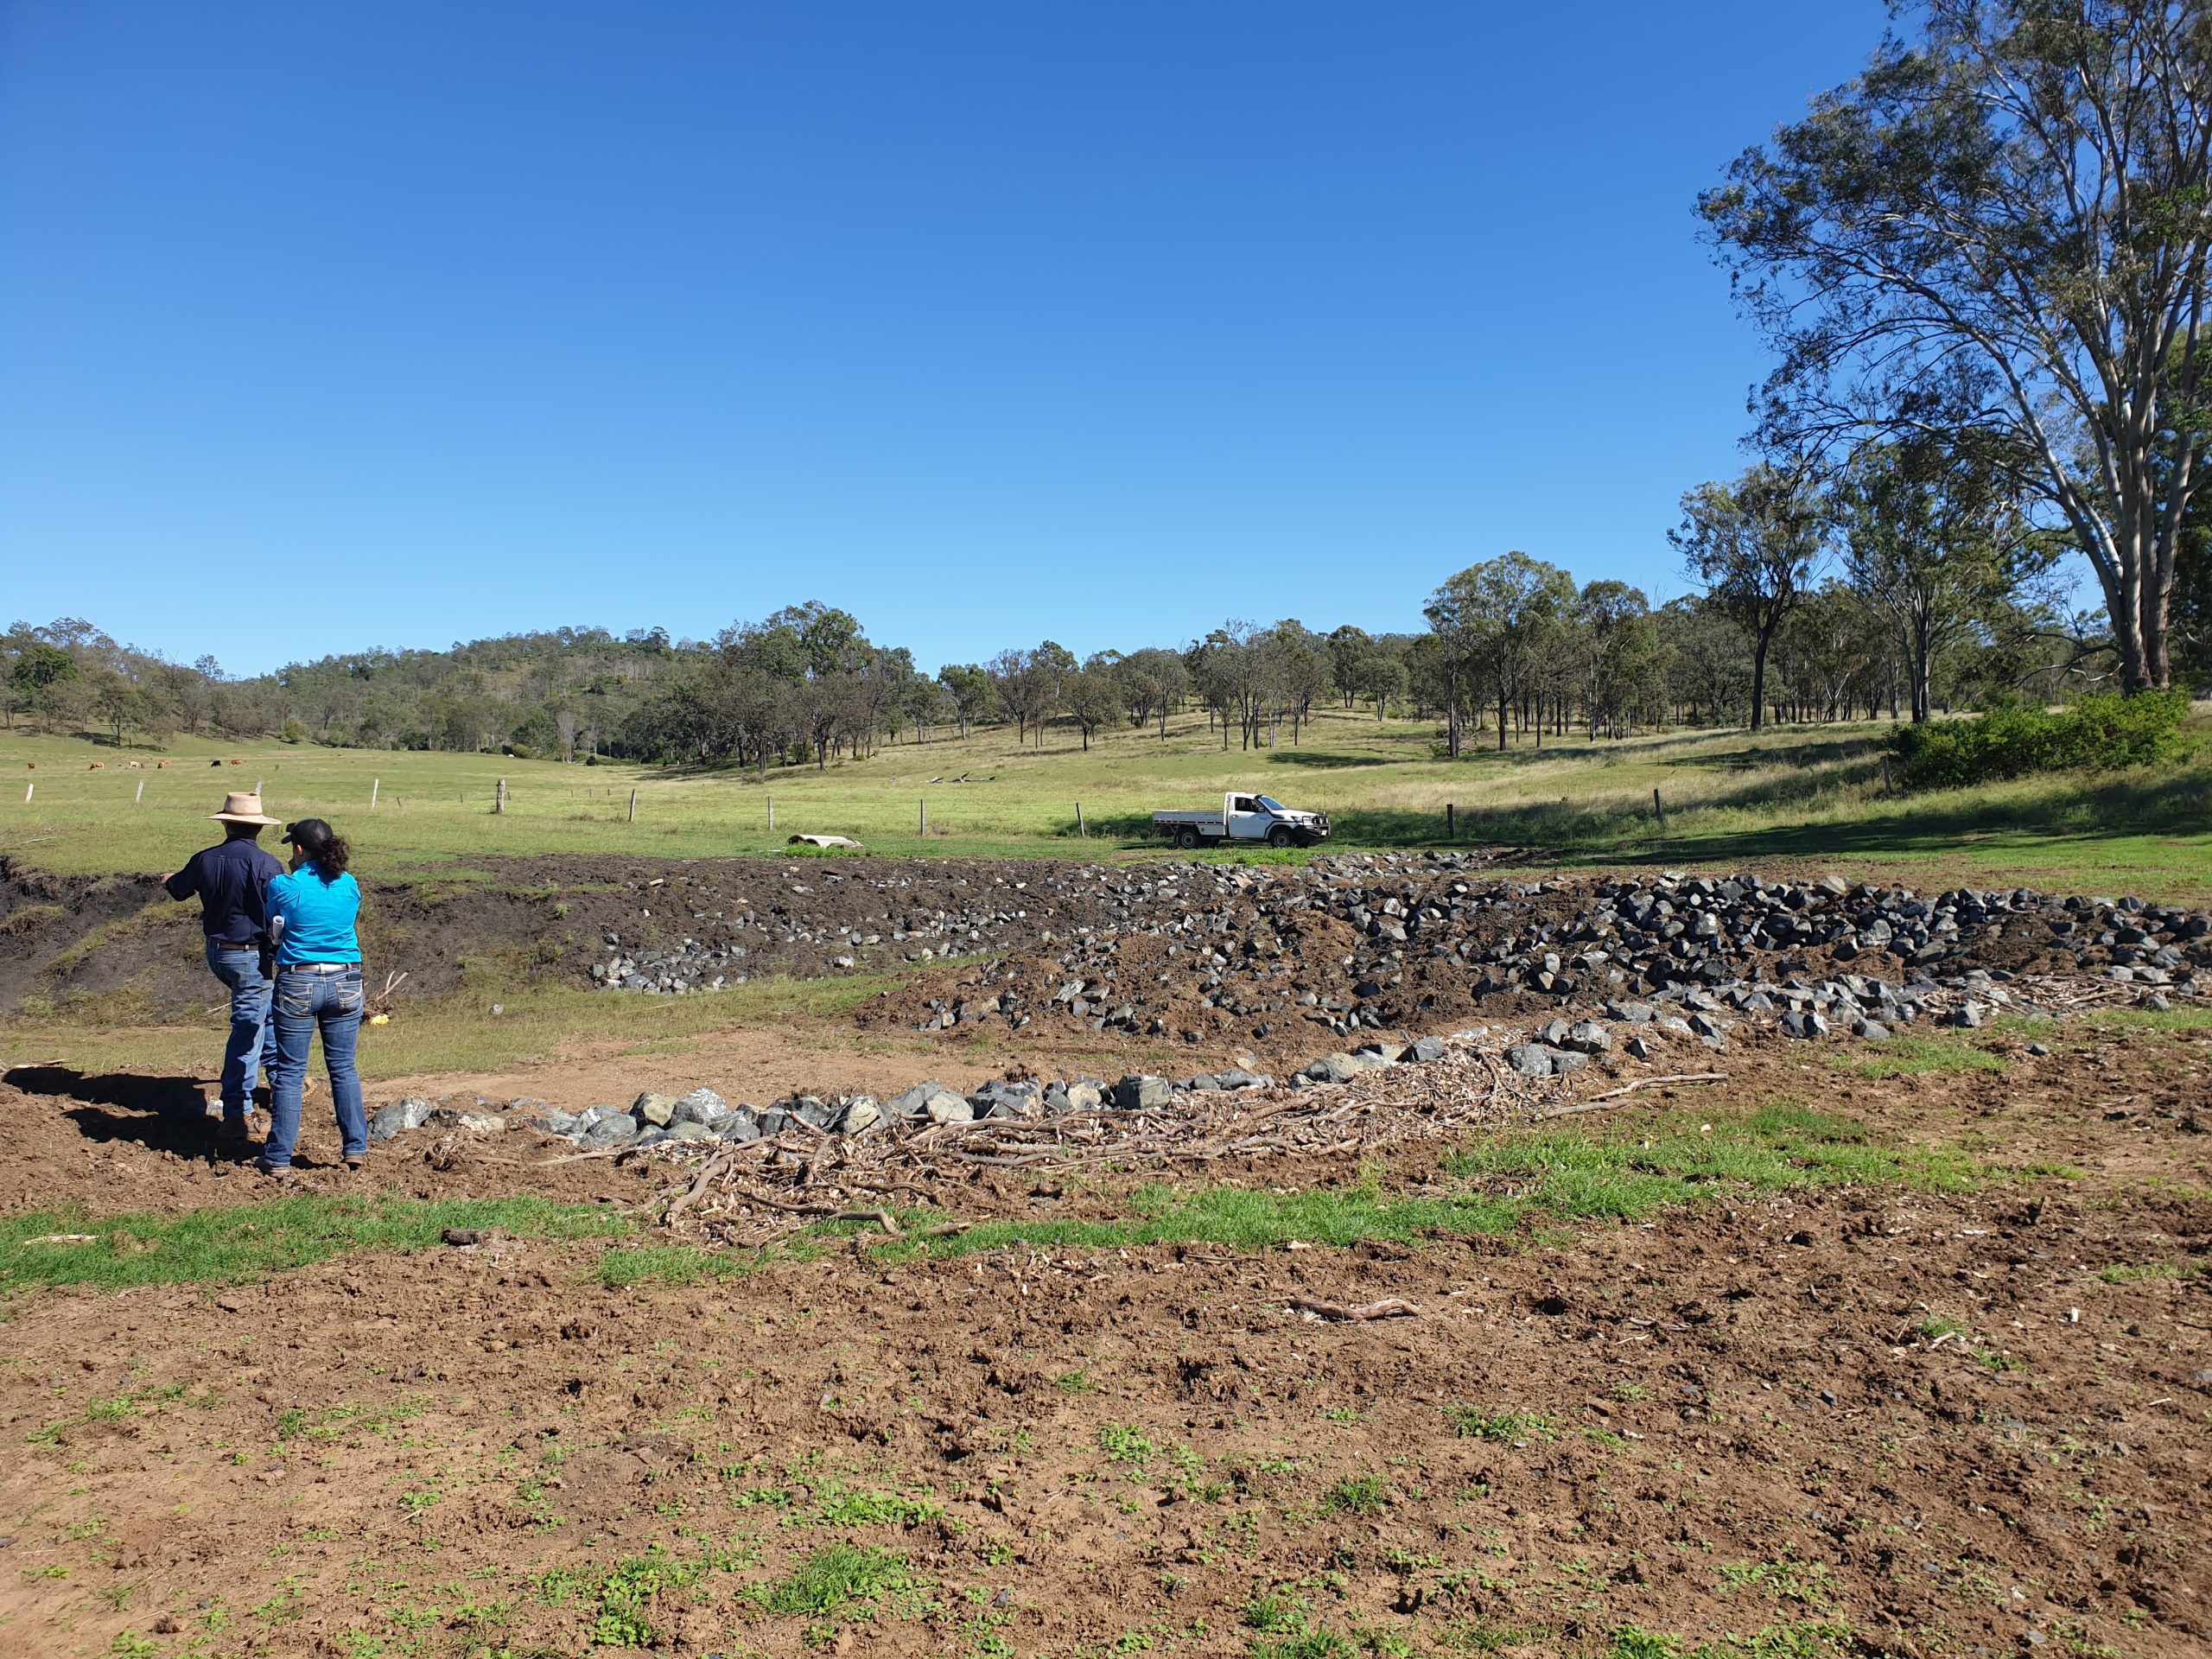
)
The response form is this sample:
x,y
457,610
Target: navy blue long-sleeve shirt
x,y
233,882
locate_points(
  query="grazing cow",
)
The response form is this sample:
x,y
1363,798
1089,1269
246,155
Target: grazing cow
x,y
161,766
97,765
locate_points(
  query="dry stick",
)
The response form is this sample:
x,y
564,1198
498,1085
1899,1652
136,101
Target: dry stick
x,y
583,1157
1390,1307
881,1218
1596,1102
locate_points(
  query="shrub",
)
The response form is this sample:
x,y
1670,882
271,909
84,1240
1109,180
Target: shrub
x,y
2012,741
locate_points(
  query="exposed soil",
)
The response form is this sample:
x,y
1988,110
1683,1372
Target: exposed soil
x,y
69,939
1737,1418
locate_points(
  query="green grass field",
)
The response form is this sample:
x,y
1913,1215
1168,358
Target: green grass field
x,y
1796,794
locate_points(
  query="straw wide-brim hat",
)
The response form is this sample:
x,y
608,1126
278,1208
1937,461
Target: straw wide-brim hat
x,y
242,806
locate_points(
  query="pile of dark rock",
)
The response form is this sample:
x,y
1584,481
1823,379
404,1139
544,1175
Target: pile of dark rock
x,y
1384,942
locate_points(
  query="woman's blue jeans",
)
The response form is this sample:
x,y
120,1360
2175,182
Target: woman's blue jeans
x,y
307,1001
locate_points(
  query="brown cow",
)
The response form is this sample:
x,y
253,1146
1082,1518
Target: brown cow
x,y
97,765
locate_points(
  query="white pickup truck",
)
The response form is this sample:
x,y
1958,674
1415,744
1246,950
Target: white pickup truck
x,y
1244,817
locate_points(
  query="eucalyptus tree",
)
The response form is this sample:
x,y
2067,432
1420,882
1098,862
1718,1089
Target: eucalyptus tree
x,y
1754,544
1936,540
1496,619
970,685
1620,656
2005,218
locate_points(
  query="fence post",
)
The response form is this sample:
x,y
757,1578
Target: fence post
x,y
375,783
1885,774
772,815
141,795
1659,807
633,806
925,817
1450,821
29,789
500,799
1082,830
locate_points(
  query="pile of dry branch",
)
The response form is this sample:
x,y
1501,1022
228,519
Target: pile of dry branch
x,y
751,1195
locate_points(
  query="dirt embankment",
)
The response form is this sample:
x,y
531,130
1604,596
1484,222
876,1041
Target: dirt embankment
x,y
118,941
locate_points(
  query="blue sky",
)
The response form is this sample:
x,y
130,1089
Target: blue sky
x,y
325,327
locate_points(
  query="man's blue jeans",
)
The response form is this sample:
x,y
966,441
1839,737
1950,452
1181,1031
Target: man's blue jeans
x,y
252,1042
308,1002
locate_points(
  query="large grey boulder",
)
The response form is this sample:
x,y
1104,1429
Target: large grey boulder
x,y
466,1121
702,1106
400,1116
862,1115
915,1101
1335,1068
1588,1037
1002,1097
612,1131
1142,1093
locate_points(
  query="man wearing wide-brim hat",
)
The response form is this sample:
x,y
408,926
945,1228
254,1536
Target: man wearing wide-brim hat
x,y
231,880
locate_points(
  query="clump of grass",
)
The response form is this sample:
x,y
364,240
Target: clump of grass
x,y
836,1581
1276,1612
236,1243
2135,1273
1502,1427
842,1508
670,1264
1914,1057
1126,1444
1366,1494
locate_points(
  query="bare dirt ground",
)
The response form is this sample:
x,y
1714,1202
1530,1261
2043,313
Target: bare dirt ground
x,y
1879,1418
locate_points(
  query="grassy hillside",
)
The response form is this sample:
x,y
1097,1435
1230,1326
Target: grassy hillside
x,y
1799,795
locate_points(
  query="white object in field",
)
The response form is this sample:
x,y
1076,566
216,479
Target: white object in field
x,y
825,841
1245,818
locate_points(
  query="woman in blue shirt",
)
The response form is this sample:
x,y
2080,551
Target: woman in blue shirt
x,y
312,910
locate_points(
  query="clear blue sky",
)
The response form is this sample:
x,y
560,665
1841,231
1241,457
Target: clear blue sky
x,y
337,325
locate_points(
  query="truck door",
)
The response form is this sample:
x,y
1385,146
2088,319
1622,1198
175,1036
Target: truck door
x,y
1247,820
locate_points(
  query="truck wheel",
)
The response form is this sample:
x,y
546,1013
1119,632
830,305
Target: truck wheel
x,y
1187,838
1280,837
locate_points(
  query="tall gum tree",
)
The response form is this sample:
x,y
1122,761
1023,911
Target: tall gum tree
x,y
2010,204
1755,544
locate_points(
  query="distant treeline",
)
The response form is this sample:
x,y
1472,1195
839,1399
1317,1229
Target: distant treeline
x,y
1514,650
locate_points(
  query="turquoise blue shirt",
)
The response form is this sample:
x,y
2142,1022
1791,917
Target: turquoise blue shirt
x,y
318,917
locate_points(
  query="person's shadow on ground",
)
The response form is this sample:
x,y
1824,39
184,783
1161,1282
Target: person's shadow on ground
x,y
161,1114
